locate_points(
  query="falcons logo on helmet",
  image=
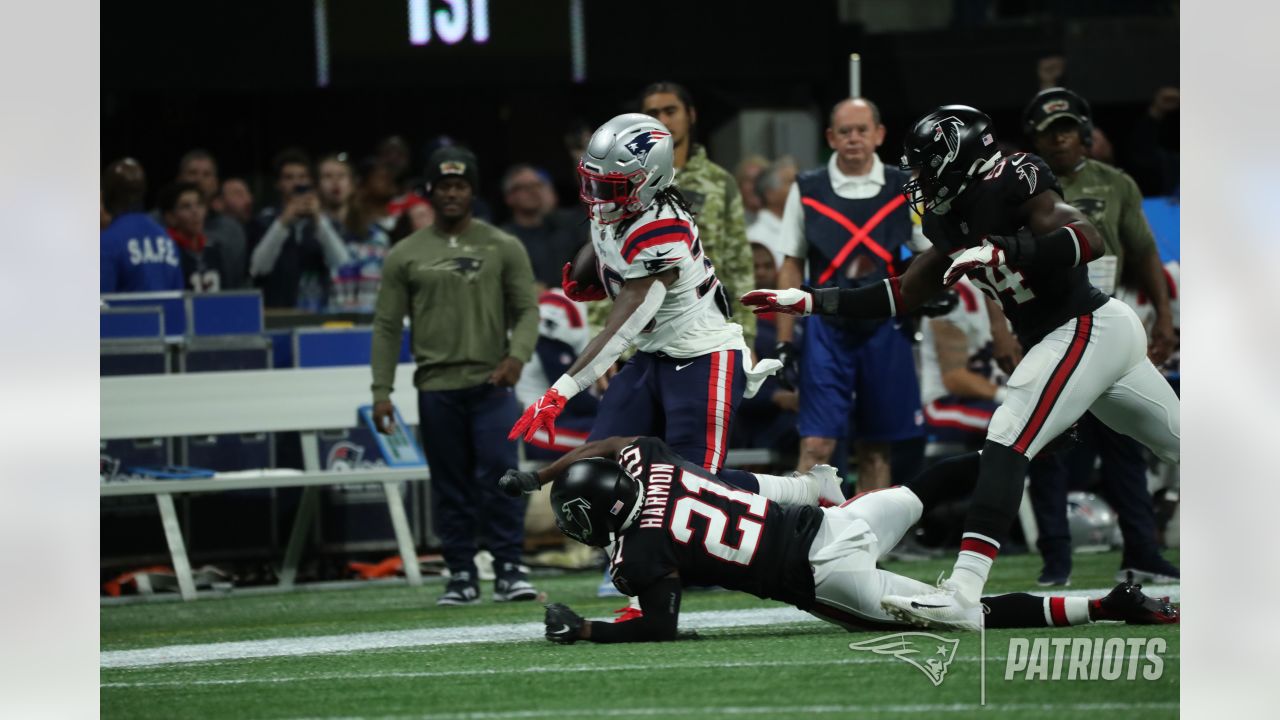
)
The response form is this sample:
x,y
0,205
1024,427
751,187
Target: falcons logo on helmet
x,y
578,511
641,144
948,131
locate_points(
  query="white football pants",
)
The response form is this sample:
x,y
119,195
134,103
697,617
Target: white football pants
x,y
1096,362
851,539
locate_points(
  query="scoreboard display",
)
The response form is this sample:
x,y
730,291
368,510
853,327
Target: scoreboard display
x,y
448,42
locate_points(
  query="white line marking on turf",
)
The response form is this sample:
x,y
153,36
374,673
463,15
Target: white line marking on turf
x,y
508,632
569,669
788,710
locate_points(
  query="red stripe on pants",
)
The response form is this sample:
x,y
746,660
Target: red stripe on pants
x,y
712,384
1053,390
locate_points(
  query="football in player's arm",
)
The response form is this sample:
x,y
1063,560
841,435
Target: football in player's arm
x,y
1060,236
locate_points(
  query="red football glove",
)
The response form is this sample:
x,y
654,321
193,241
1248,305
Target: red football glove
x,y
576,291
984,255
792,301
541,414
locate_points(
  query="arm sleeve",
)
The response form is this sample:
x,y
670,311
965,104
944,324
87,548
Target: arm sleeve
x,y
520,304
267,251
791,237
1135,232
331,243
388,327
661,605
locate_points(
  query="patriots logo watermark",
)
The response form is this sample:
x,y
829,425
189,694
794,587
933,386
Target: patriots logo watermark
x,y
1029,173
926,652
641,144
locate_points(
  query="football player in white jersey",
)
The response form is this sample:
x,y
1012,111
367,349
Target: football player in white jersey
x,y
692,367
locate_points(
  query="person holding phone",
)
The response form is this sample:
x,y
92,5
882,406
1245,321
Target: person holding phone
x,y
291,261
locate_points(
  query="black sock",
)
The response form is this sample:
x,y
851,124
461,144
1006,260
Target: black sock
x,y
1001,477
1014,610
945,480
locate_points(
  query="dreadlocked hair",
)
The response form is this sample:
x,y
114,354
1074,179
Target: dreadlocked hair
x,y
669,197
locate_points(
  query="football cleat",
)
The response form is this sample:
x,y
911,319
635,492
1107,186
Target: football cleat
x,y
827,480
1127,602
461,590
942,610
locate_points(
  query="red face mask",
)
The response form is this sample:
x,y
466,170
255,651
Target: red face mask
x,y
609,189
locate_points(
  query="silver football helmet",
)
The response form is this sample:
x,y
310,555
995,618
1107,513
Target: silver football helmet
x,y
627,162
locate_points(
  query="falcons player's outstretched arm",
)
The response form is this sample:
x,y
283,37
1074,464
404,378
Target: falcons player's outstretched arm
x,y
898,295
516,482
636,304
660,603
1060,236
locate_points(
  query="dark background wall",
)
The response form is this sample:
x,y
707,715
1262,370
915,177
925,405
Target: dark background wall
x,y
240,78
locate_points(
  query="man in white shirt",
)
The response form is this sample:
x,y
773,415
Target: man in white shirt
x,y
848,221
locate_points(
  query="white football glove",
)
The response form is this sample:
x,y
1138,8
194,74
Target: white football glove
x,y
792,301
984,255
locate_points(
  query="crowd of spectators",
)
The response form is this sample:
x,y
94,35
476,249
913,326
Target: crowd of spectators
x,y
319,243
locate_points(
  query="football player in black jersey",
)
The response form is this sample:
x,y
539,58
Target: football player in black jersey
x,y
1001,221
671,523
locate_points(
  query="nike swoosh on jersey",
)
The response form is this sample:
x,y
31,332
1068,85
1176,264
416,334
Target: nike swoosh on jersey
x,y
681,367
660,254
1018,162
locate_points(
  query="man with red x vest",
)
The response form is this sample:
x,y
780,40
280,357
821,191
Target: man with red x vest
x,y
849,221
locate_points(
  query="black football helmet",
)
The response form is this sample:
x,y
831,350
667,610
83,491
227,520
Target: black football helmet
x,y
945,150
595,500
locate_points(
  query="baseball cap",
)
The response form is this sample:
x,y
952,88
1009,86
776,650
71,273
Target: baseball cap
x,y
1052,104
453,160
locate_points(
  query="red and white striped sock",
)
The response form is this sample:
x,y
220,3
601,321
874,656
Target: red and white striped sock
x,y
1064,611
977,554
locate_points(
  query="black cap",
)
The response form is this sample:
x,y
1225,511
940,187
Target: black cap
x,y
1052,104
453,160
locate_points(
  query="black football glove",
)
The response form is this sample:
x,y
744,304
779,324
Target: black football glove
x,y
517,482
564,626
940,304
789,375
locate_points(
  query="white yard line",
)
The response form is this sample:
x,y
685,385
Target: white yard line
x,y
506,632
562,669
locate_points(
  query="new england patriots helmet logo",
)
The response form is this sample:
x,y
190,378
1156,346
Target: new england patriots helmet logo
x,y
926,652
641,144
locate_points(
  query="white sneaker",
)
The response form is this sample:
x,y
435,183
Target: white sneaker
x,y
827,480
943,609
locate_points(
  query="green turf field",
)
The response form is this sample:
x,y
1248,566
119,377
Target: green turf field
x,y
382,652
